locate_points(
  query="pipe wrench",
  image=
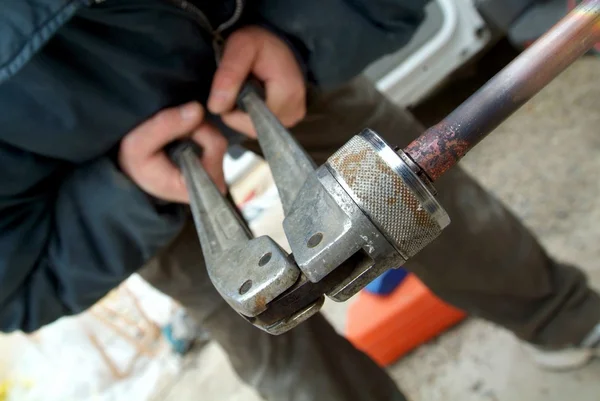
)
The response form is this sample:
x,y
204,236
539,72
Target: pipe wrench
x,y
343,231
370,207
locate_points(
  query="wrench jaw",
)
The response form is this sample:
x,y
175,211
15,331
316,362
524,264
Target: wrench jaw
x,y
332,230
250,275
287,323
319,231
366,205
247,272
254,276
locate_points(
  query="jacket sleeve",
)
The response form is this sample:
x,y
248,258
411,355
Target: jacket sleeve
x,y
338,39
69,239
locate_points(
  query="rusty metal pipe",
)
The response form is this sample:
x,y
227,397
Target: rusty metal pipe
x,y
444,144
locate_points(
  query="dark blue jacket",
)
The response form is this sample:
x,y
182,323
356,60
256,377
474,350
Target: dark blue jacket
x,y
77,75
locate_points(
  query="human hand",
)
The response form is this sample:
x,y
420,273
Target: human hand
x,y
143,159
254,50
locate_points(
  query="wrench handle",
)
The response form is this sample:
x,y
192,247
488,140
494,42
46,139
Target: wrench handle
x,y
176,149
252,85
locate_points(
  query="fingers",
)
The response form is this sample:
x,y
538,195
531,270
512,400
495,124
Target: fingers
x,y
214,146
235,65
284,99
141,154
143,159
165,127
155,174
161,178
284,83
254,50
239,121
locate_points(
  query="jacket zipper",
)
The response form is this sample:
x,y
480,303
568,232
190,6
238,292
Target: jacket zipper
x,y
217,33
198,16
235,17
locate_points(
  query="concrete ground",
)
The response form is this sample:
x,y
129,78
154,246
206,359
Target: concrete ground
x,y
544,163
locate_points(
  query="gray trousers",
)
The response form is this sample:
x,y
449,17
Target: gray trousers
x,y
486,262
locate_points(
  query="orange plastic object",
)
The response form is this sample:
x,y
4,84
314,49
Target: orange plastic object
x,y
387,327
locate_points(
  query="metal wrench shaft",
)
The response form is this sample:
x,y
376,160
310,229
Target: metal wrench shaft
x,y
248,272
289,163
